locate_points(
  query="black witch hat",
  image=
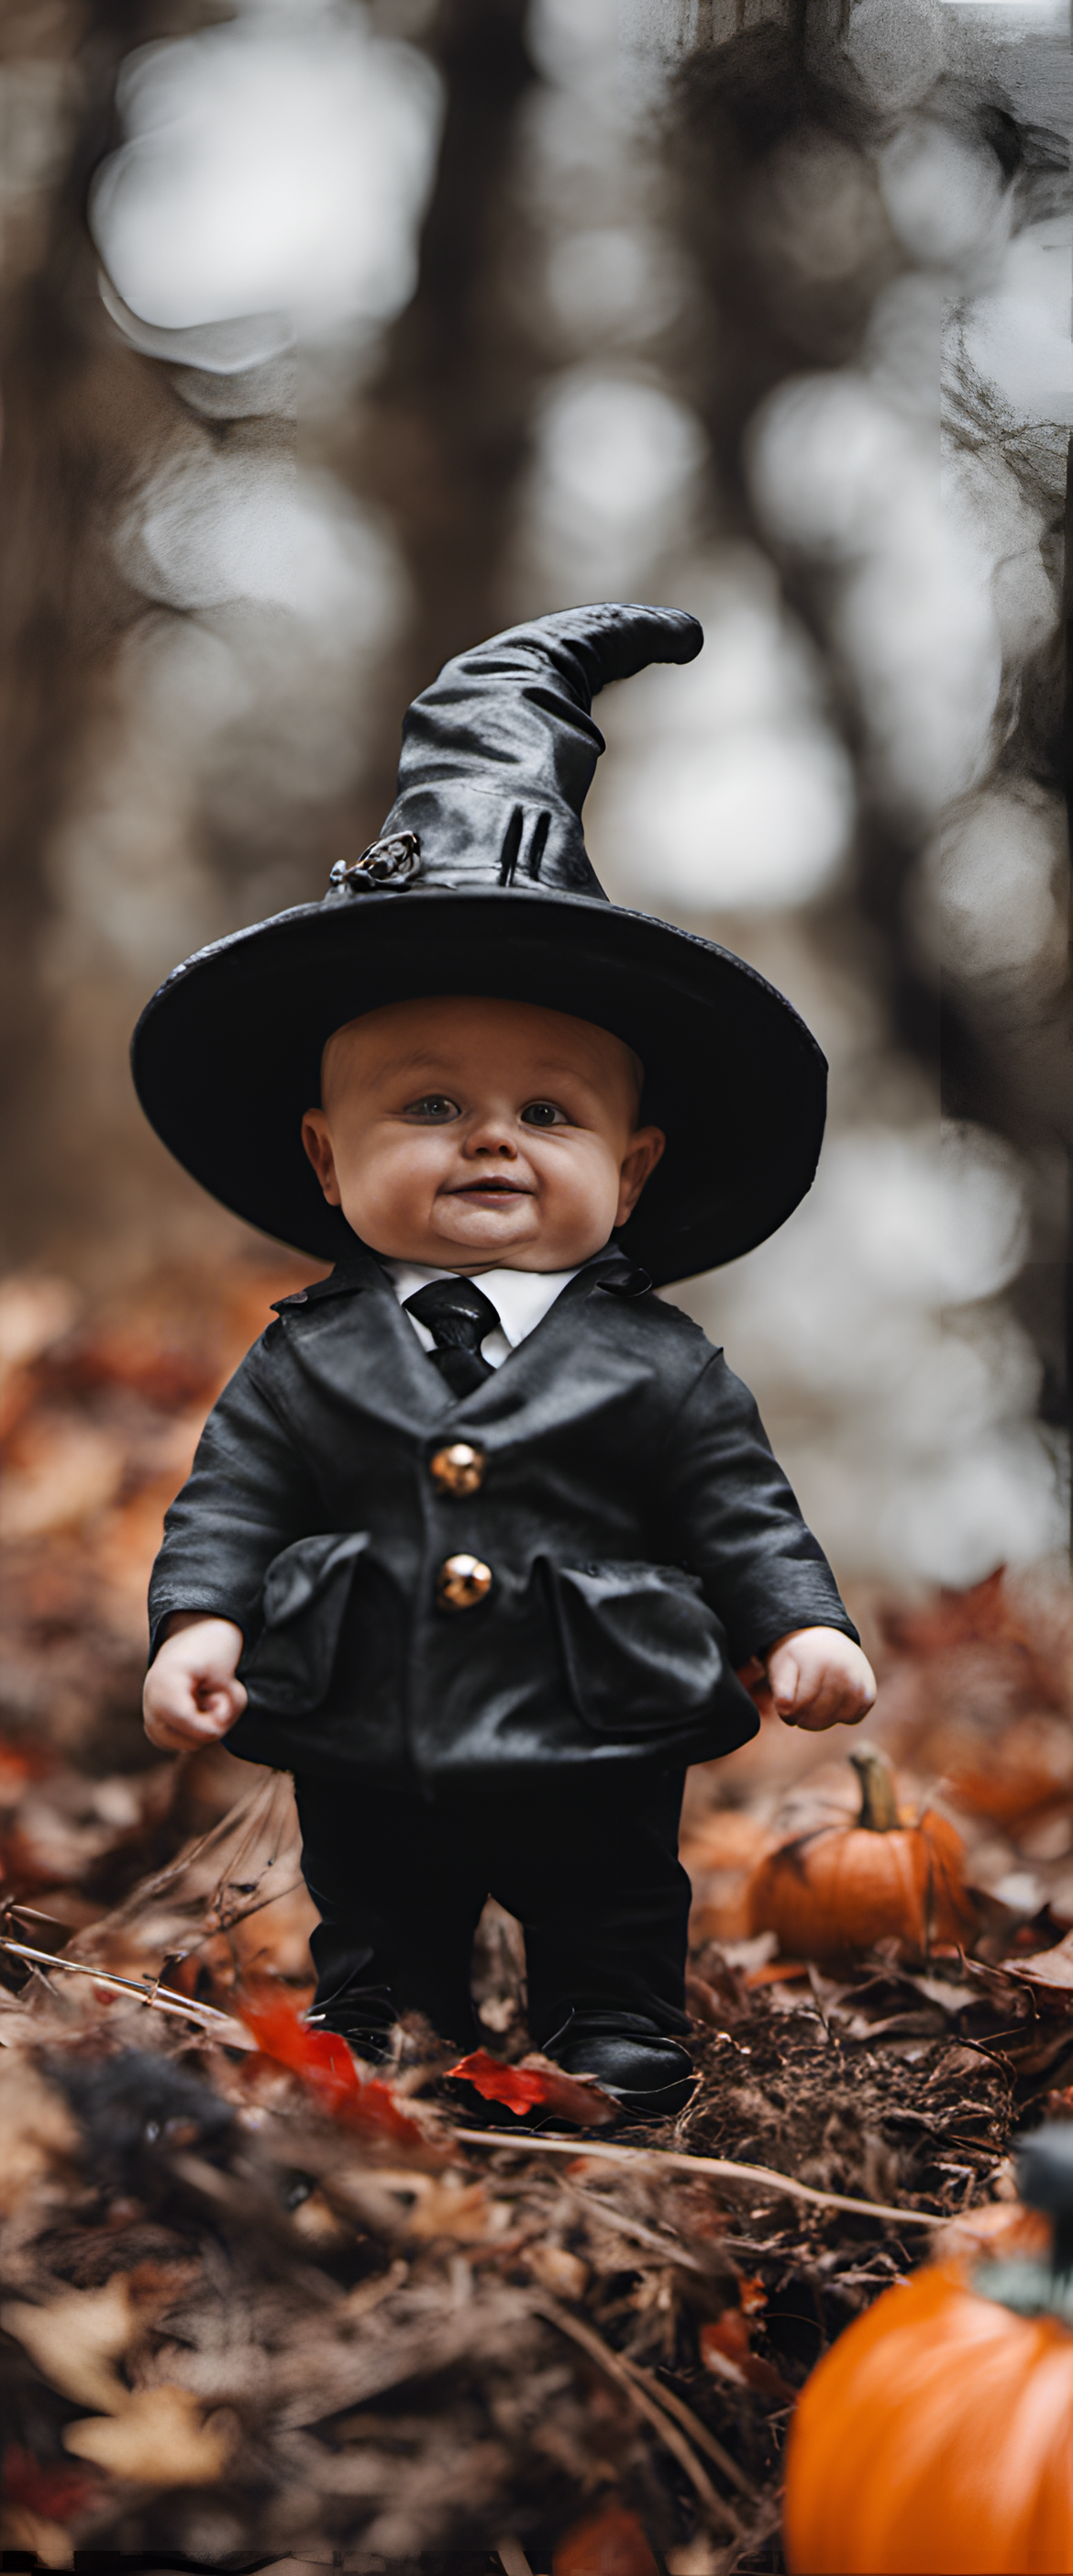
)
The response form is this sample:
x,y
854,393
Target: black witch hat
x,y
480,883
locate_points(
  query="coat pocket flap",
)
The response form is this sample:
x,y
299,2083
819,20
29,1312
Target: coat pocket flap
x,y
306,1591
295,1578
641,1650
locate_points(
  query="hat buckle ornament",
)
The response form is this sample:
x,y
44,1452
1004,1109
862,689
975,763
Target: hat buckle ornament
x,y
391,862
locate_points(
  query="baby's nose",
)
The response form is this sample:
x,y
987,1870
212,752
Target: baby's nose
x,y
488,1137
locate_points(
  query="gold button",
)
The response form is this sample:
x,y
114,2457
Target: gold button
x,y
462,1581
459,1469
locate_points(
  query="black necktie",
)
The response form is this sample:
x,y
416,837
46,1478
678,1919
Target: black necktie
x,y
458,1315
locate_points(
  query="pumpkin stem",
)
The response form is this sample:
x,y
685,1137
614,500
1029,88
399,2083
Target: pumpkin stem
x,y
879,1812
1045,2181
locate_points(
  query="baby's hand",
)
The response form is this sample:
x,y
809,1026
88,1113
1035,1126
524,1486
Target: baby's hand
x,y
191,1696
815,1678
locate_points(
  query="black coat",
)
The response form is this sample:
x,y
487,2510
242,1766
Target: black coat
x,y
640,1538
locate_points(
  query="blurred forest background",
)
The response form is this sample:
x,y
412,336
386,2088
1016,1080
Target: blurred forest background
x,y
336,334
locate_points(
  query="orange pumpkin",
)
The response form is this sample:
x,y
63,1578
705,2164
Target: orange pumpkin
x,y
847,1886
934,2439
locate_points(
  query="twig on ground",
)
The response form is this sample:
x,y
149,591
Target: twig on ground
x,y
692,2425
640,2390
512,2558
719,2166
643,2235
234,2033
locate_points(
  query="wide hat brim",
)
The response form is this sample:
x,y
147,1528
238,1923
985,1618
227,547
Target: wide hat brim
x,y
227,1054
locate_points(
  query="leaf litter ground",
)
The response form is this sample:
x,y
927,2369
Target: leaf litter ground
x,y
252,2307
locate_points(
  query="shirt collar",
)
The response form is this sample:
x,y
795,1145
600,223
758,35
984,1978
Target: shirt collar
x,y
521,1297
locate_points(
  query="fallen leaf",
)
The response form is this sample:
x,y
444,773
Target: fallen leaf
x,y
461,2210
558,2270
62,1471
698,2557
161,2438
320,2057
1045,1967
318,2222
610,2543
728,1838
1025,1769
35,1309
249,1858
75,2340
537,2084
32,2536
1000,2227
724,2350
38,2137
324,2062
50,2488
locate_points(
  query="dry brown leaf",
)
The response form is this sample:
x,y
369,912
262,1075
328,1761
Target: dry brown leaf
x,y
696,2558
251,1858
38,2137
75,2340
161,2438
557,2269
462,2210
999,2229
727,1838
316,2220
46,2541
63,1470
1046,1967
610,2543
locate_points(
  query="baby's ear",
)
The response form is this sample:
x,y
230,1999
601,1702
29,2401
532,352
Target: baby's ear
x,y
642,1154
318,1146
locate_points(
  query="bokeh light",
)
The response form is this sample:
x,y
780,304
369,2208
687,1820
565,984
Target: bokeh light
x,y
273,162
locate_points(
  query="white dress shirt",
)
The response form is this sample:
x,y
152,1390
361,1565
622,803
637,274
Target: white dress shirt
x,y
521,1299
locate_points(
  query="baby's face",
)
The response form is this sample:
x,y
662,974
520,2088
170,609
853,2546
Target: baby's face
x,y
459,1134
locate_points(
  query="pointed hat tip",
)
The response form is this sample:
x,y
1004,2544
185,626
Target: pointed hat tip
x,y
622,635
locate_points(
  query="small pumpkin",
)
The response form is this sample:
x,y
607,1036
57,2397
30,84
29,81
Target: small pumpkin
x,y
846,1886
934,2439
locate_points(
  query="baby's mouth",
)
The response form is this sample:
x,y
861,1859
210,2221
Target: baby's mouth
x,y
490,1190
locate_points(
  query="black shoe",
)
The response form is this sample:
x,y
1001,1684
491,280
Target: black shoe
x,y
371,2041
630,2057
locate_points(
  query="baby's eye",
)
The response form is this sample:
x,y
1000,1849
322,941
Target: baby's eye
x,y
435,1108
543,1113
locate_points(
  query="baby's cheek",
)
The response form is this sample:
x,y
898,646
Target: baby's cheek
x,y
389,1178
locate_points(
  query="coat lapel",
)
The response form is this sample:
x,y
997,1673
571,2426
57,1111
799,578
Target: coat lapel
x,y
374,1347
583,1312
370,1347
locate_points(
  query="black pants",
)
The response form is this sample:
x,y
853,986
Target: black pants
x,y
589,1864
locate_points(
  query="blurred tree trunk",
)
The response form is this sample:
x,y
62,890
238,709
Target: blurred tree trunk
x,y
439,438
445,435
80,414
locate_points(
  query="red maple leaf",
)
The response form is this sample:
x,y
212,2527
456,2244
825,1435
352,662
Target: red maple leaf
x,y
324,2063
54,2488
537,2084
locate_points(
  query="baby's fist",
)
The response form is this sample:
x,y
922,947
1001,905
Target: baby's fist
x,y
818,1678
191,1695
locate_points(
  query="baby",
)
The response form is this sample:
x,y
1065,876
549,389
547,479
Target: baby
x,y
481,1535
